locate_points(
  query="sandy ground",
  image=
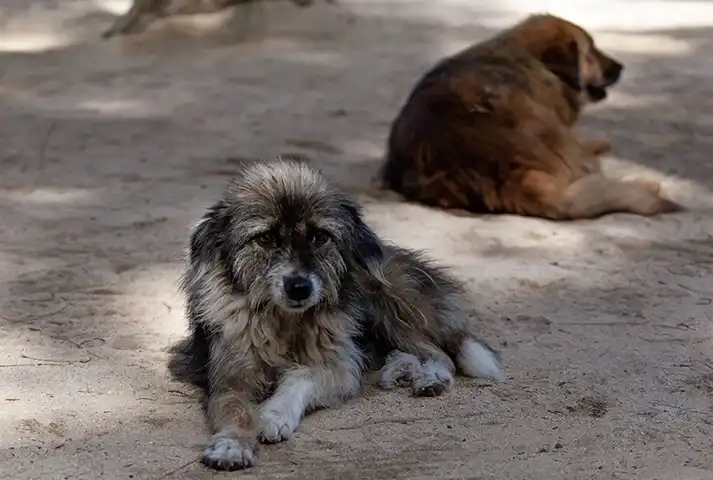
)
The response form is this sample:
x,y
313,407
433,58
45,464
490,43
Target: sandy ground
x,y
109,150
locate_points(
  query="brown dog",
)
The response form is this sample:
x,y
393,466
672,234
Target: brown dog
x,y
489,130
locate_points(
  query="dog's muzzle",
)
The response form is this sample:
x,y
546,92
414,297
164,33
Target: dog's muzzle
x,y
298,288
613,73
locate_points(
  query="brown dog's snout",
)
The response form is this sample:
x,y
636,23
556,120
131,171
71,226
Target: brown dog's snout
x,y
612,73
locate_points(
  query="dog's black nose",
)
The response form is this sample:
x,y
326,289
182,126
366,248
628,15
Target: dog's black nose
x,y
297,287
613,71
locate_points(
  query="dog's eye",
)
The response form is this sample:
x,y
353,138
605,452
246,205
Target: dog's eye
x,y
320,237
264,239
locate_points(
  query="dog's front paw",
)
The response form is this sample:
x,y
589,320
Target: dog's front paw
x,y
277,426
224,453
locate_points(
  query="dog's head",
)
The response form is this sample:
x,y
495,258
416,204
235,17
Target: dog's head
x,y
569,52
286,236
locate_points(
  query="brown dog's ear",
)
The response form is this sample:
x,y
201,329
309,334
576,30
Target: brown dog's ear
x,y
563,61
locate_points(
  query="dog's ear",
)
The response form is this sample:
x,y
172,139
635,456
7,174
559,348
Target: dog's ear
x,y
365,246
207,241
562,59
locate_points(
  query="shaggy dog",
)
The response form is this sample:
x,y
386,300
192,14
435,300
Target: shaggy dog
x,y
288,289
489,129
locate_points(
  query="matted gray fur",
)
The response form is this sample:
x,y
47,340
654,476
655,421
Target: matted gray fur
x,y
288,289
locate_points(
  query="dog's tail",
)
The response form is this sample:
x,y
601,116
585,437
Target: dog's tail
x,y
476,359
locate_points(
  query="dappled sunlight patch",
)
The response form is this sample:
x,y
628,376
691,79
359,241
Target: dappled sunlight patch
x,y
625,14
116,7
40,196
645,44
364,148
117,107
619,99
69,411
312,57
35,42
102,101
152,297
455,234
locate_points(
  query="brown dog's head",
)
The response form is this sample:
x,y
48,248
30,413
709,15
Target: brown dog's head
x,y
569,52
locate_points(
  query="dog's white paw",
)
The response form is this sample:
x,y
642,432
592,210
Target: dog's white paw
x,y
277,426
433,380
224,453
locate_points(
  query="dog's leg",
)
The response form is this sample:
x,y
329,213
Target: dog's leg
x,y
305,388
596,195
422,365
434,375
591,196
233,420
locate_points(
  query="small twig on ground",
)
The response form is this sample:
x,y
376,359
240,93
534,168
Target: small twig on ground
x,y
34,316
46,140
598,324
676,339
81,347
51,360
185,465
683,409
400,421
38,364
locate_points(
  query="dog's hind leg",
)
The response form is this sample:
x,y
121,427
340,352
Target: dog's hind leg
x,y
591,196
424,367
434,375
596,195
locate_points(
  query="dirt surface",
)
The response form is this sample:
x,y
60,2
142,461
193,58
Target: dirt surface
x,y
110,150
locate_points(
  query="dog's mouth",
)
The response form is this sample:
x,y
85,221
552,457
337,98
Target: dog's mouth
x,y
296,307
596,93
